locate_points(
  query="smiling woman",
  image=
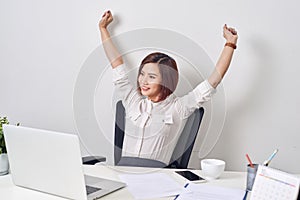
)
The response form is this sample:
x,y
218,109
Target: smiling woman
x,y
158,76
154,115
149,81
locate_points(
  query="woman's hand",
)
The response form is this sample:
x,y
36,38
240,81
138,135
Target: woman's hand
x,y
111,51
107,18
223,63
230,34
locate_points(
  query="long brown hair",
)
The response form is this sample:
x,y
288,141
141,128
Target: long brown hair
x,y
168,70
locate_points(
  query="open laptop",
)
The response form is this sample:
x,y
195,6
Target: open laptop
x,y
50,162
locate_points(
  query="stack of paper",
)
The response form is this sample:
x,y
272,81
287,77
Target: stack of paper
x,y
208,192
152,185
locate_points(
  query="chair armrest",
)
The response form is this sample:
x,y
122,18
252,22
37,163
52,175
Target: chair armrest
x,y
91,160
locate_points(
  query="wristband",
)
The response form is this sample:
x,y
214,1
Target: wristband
x,y
229,44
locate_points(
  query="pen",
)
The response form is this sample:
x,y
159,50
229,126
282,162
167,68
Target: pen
x,y
249,160
245,196
267,162
185,186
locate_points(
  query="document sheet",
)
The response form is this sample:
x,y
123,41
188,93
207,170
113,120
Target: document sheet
x,y
207,192
151,185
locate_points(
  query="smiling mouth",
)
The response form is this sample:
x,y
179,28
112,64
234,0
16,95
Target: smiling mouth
x,y
144,88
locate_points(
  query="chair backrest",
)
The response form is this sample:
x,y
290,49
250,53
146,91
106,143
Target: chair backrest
x,y
184,147
183,150
119,131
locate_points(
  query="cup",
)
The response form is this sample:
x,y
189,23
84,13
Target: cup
x,y
251,174
4,166
212,168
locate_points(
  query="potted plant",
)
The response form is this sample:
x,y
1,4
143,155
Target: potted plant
x,y
3,152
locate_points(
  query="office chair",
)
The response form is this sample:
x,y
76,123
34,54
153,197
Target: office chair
x,y
184,147
180,157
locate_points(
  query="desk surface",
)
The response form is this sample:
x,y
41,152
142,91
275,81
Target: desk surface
x,y
9,191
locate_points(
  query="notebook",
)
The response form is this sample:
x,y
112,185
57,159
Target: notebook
x,y
50,162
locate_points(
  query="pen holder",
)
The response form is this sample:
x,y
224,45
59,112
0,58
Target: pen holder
x,y
251,174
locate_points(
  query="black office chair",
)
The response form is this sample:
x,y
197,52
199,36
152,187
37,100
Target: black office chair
x,y
180,157
184,147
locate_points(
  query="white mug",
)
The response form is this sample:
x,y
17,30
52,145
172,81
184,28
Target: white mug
x,y
3,164
212,168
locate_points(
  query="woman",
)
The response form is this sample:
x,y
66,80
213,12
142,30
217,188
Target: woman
x,y
154,115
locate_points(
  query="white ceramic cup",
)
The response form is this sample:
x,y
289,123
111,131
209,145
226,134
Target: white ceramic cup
x,y
212,168
3,164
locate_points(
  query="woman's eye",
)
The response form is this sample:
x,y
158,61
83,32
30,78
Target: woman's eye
x,y
152,77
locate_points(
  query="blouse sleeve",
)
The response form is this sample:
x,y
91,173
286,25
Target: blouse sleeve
x,y
123,87
194,99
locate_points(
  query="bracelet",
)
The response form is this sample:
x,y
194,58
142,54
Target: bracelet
x,y
229,44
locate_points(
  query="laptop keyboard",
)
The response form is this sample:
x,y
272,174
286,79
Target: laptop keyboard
x,y
90,189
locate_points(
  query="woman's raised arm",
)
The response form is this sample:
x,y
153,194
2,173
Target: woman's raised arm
x,y
110,49
223,63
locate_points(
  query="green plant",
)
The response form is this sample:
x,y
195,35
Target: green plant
x,y
2,142
3,120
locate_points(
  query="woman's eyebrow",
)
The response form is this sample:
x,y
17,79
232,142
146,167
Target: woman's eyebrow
x,y
152,74
149,73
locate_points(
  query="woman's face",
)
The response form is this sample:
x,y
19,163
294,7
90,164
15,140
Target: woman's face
x,y
150,81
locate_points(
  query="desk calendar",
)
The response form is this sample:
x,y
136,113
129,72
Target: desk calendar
x,y
274,184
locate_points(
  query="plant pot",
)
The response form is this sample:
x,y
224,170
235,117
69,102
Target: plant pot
x,y
3,164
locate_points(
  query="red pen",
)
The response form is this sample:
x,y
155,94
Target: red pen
x,y
249,160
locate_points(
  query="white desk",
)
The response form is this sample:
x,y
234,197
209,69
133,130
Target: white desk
x,y
9,191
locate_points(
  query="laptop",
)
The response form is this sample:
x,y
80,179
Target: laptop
x,y
51,162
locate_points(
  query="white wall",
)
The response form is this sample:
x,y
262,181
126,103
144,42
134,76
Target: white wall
x,y
44,44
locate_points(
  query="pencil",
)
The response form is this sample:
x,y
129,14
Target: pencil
x,y
267,162
249,160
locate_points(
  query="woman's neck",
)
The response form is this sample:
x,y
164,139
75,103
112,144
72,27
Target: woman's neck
x,y
155,99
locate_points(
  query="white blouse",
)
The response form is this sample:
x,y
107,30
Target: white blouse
x,y
152,129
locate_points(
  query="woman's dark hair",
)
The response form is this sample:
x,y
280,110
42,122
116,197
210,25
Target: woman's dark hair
x,y
168,70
